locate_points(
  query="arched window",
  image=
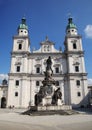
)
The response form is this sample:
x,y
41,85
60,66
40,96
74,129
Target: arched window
x,y
20,46
74,46
3,102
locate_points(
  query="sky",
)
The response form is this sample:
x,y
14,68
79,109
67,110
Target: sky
x,y
44,18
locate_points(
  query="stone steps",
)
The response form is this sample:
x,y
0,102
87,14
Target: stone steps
x,y
49,112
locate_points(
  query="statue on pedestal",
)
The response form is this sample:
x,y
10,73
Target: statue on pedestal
x,y
49,63
46,92
48,73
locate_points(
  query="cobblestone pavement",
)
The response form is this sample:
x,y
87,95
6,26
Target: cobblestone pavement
x,y
13,120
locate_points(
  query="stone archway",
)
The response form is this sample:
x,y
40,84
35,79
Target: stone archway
x,y
3,102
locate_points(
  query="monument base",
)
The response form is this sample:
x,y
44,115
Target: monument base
x,y
50,110
54,108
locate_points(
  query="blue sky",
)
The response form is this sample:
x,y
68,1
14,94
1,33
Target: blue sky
x,y
44,17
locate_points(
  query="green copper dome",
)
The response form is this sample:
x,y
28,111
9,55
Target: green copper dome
x,y
23,24
70,24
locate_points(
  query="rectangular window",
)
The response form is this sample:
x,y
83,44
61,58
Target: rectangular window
x,y
37,83
74,46
37,70
20,46
76,68
57,69
78,82
18,69
17,83
16,94
78,94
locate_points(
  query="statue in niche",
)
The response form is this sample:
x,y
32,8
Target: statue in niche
x,y
57,95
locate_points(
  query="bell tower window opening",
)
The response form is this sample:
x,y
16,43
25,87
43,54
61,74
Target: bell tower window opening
x,y
78,94
16,94
78,82
74,46
20,46
17,82
76,68
18,69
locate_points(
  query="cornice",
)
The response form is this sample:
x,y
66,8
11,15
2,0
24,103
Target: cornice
x,y
34,75
22,37
17,74
20,52
76,74
74,52
54,54
73,36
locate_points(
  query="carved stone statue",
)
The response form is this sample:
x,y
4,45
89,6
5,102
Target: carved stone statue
x,y
39,96
48,73
57,95
49,63
47,89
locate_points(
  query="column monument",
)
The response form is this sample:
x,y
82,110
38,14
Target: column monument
x,y
49,96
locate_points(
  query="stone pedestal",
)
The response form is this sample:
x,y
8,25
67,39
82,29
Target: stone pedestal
x,y
47,101
49,94
59,102
54,108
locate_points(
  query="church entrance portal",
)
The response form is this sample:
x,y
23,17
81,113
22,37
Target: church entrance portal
x,y
3,102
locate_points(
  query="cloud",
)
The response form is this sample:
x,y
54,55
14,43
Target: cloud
x,y
89,81
88,31
3,76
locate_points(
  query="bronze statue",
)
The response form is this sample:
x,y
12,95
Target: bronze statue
x,y
57,95
48,73
49,63
39,96
47,87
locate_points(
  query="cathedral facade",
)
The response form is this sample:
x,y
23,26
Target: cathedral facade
x,y
27,68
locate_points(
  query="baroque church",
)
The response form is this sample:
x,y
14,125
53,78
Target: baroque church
x,y
27,68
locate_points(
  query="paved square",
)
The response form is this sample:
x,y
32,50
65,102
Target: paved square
x,y
13,120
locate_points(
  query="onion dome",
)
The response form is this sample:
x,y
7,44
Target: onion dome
x,y
23,24
70,24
